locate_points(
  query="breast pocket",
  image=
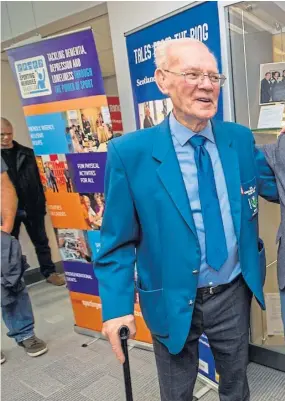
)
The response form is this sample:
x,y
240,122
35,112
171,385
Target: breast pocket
x,y
250,198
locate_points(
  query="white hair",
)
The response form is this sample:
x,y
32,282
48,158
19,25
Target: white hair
x,y
161,53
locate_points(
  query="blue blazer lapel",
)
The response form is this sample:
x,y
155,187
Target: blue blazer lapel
x,y
230,163
170,174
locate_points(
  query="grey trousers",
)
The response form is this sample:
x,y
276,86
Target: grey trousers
x,y
224,318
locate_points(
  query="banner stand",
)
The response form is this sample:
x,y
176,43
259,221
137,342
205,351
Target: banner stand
x,y
208,384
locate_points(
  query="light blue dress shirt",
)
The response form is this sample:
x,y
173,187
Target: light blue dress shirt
x,y
185,154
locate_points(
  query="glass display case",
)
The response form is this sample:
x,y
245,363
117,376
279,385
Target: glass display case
x,y
256,37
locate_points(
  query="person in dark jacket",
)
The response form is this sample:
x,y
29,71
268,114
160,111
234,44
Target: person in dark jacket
x,y
265,89
23,172
16,306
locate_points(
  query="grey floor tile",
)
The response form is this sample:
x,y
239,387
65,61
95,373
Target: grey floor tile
x,y
68,395
11,388
264,381
78,385
65,370
105,389
30,396
40,382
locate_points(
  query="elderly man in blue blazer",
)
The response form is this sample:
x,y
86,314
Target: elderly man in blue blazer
x,y
182,204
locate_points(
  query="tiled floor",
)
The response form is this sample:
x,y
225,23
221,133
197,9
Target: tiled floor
x,y
69,372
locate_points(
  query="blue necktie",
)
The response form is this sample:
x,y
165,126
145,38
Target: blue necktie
x,y
216,246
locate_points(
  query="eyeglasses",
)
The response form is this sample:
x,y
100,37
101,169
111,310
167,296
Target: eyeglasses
x,y
196,77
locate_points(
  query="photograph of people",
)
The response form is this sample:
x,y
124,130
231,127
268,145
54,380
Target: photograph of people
x,y
148,121
67,178
93,206
278,88
104,133
69,140
88,130
275,154
88,212
272,83
86,125
99,208
76,145
54,173
73,245
51,179
265,90
79,134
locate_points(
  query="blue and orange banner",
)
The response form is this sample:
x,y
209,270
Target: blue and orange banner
x,y
62,91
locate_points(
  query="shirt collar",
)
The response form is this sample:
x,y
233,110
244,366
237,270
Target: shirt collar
x,y
183,134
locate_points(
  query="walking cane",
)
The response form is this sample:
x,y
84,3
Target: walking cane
x,y
124,334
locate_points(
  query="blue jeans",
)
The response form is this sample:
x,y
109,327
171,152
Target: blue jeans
x,y
282,298
19,318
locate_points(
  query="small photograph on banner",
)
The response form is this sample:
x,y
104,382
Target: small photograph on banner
x,y
154,112
80,278
87,171
54,173
66,210
94,242
72,131
88,130
93,206
73,245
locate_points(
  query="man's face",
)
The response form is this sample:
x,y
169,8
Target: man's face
x,y
197,100
6,136
267,76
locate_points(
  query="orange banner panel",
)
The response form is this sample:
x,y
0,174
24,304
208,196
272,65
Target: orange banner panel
x,y
87,313
143,333
66,210
64,105
87,310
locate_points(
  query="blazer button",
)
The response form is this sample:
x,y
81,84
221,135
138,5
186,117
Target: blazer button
x,y
195,271
191,302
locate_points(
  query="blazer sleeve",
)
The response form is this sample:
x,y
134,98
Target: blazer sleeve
x,y
267,186
115,262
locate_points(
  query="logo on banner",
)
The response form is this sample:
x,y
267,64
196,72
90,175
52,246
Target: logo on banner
x,y
33,79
